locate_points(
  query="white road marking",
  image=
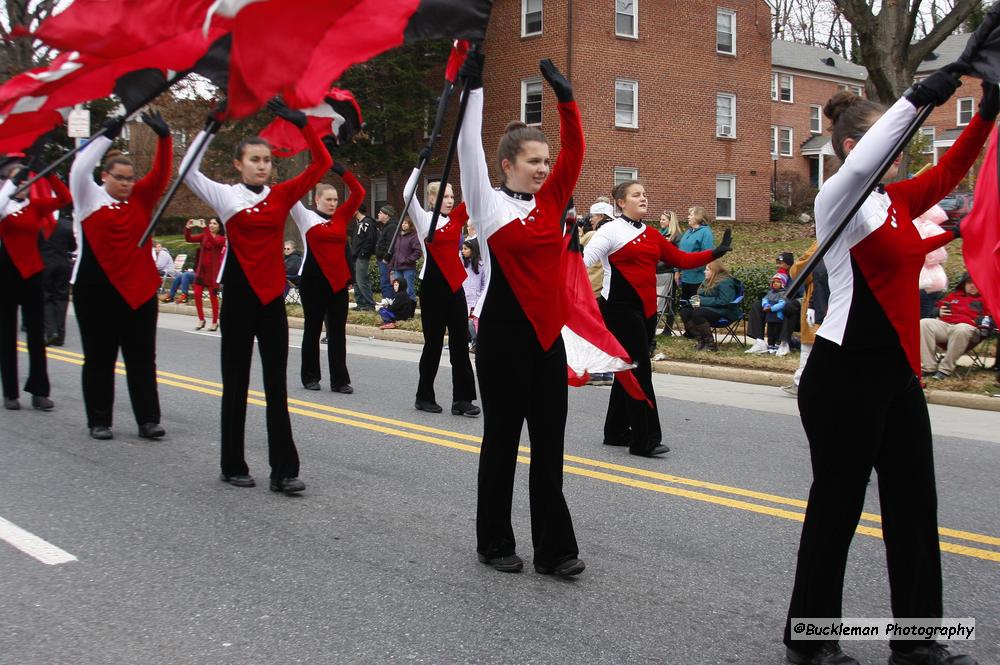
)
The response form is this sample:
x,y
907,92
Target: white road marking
x,y
32,545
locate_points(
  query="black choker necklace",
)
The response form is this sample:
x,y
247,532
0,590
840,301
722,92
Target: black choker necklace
x,y
637,223
256,189
520,196
323,215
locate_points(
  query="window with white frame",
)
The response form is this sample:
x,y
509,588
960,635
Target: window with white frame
x,y
966,107
784,141
531,17
725,197
816,119
781,87
627,18
531,102
624,174
856,89
928,144
725,115
774,140
725,31
380,193
626,103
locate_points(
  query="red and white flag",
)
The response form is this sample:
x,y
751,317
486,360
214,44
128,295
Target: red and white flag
x,y
338,115
981,231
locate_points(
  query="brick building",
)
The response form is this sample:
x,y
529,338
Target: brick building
x,y
803,78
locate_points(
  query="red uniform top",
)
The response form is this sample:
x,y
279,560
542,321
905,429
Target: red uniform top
x,y
326,239
210,254
445,247
113,228
19,228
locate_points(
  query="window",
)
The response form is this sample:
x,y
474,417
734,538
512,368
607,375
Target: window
x,y
725,31
623,174
626,18
725,115
928,134
531,102
966,107
774,140
781,87
856,89
784,140
816,119
725,197
626,103
380,194
531,17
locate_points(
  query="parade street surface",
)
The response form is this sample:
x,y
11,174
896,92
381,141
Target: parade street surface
x,y
132,551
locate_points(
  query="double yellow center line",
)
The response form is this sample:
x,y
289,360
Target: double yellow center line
x,y
953,540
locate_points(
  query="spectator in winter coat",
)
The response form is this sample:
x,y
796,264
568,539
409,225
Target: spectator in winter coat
x,y
164,262
785,261
713,301
362,248
759,316
474,284
387,229
814,302
697,238
960,328
400,308
773,305
405,254
293,262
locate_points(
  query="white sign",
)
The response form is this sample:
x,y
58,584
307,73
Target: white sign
x,y
78,124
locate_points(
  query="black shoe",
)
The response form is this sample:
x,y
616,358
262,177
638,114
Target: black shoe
x,y
608,442
511,563
829,653
101,433
429,407
11,404
151,430
652,452
464,409
239,481
55,340
287,485
344,389
930,654
567,568
42,403
314,385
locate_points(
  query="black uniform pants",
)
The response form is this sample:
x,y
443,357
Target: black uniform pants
x,y
56,286
108,324
888,429
242,319
519,381
629,421
26,293
442,310
321,303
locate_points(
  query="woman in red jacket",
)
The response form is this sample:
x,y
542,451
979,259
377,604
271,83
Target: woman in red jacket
x,y
212,248
21,219
326,274
114,279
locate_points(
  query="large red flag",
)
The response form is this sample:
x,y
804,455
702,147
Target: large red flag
x,y
338,115
981,231
19,131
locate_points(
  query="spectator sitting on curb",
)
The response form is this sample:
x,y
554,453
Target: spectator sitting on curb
x,y
164,262
182,282
757,319
773,305
713,301
963,323
400,308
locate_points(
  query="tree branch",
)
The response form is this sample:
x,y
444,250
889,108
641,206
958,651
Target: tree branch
x,y
947,25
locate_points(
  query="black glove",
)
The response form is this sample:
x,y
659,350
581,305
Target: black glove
x,y
213,123
34,153
156,122
280,109
723,247
562,87
936,89
472,70
958,228
989,105
425,155
338,168
113,127
19,176
330,141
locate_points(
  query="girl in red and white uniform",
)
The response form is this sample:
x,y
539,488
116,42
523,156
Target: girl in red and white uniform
x,y
520,357
114,280
442,299
871,335
212,241
326,274
21,220
253,273
629,251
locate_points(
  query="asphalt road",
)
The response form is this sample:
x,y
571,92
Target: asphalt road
x,y
689,558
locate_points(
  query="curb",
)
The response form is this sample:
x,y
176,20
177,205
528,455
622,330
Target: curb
x,y
719,372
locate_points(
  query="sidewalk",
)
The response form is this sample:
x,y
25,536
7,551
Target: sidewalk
x,y
698,370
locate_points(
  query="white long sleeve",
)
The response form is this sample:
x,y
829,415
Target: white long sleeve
x,y
477,192
421,218
6,191
88,196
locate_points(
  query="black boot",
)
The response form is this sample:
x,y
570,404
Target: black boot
x,y
706,338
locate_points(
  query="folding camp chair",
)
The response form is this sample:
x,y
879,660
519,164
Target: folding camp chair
x,y
730,327
667,303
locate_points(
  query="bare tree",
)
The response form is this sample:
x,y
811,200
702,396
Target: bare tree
x,y
21,54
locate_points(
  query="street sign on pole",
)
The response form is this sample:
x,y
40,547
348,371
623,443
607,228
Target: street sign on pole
x,y
78,124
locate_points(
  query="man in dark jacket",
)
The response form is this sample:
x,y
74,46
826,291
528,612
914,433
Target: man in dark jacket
x,y
362,247
387,229
57,254
293,262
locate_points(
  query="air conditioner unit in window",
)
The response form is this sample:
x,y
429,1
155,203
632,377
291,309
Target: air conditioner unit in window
x,y
724,130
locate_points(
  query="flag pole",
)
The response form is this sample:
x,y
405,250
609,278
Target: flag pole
x,y
174,186
51,167
443,100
